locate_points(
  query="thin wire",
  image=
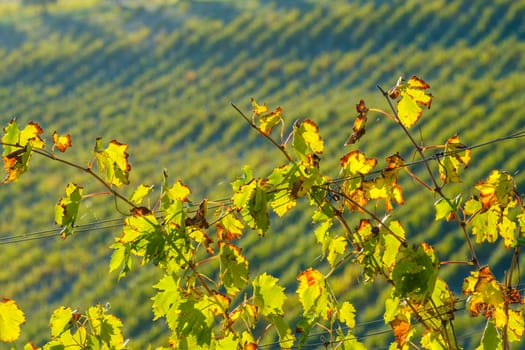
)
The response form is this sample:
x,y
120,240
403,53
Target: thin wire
x,y
99,225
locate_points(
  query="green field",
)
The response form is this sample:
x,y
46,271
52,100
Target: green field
x,y
161,78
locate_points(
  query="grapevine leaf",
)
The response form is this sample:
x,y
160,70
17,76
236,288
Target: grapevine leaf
x,y
18,146
391,243
230,341
269,120
496,190
413,95
490,340
66,210
120,257
453,159
178,192
197,322
336,247
60,320
359,128
62,142
313,294
234,268
287,181
251,201
307,139
486,296
105,327
347,314
229,228
367,243
433,340
386,187
402,331
415,273
515,326
355,162
140,193
259,109
353,165
167,300
113,162
268,296
286,337
11,317
444,208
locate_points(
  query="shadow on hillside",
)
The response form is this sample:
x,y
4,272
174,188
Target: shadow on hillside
x,y
11,37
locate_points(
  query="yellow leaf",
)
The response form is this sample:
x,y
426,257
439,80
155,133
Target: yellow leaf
x,y
11,317
412,96
356,162
259,109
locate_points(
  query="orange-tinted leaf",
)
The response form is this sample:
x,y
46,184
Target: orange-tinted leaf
x,y
496,190
230,228
62,142
401,329
359,123
313,294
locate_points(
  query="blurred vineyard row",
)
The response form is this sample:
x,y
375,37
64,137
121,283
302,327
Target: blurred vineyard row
x,y
161,78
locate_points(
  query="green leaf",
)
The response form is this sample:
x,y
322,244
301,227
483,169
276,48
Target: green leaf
x,y
268,296
415,273
444,208
391,243
11,317
491,340
197,322
140,193
113,162
347,314
286,337
313,294
66,210
228,342
234,268
60,321
106,328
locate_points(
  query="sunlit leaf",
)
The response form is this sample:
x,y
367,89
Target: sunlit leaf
x,y
444,210
106,328
61,142
168,298
140,193
347,314
413,96
306,138
230,227
486,296
61,320
268,296
269,120
66,210
259,109
11,317
456,155
355,162
18,146
234,268
113,162
313,294
286,337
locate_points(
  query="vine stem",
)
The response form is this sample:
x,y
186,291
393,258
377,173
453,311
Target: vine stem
x,y
279,146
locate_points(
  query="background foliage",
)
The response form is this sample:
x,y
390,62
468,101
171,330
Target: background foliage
x,y
160,77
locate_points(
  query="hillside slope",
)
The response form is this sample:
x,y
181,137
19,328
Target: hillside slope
x,y
161,78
